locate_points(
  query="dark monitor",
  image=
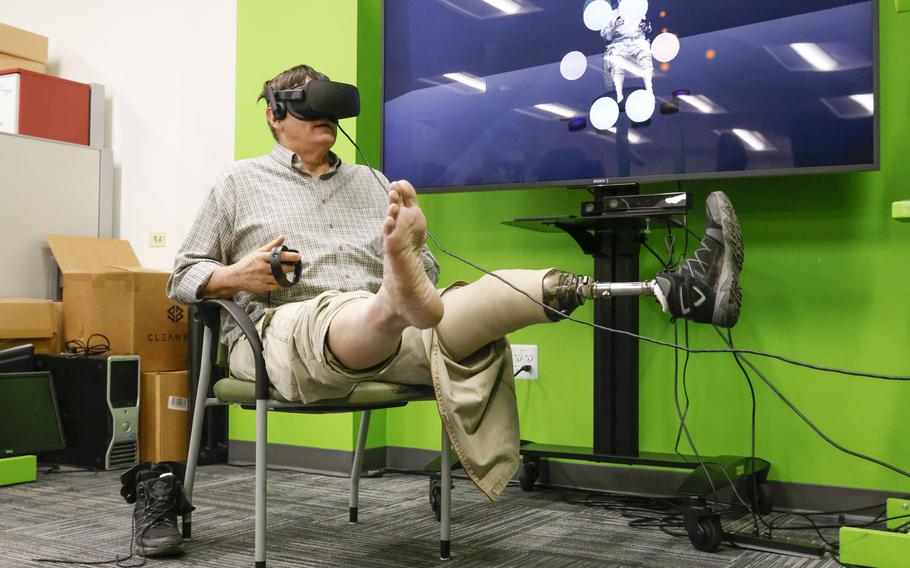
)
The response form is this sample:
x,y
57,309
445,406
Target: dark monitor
x,y
29,416
19,359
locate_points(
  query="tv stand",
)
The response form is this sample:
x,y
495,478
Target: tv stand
x,y
613,239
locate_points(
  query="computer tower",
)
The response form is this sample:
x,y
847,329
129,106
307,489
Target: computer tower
x,y
98,398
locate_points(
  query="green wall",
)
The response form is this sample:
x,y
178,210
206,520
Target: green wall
x,y
825,275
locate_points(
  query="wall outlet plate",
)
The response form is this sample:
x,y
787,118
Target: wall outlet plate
x,y
157,239
525,355
900,210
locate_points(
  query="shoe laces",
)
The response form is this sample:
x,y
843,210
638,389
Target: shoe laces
x,y
699,264
156,509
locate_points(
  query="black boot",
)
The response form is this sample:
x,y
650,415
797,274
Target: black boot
x,y
705,287
158,493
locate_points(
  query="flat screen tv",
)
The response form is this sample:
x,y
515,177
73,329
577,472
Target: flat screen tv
x,y
482,94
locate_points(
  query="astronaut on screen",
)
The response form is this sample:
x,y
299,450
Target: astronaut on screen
x,y
627,45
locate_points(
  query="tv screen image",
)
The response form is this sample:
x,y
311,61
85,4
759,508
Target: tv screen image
x,y
517,93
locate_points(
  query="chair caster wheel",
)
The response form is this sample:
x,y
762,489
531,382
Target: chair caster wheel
x,y
763,498
527,475
707,534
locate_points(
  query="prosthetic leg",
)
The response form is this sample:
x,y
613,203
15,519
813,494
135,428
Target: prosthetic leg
x,y
704,289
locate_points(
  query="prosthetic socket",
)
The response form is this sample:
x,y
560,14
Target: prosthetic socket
x,y
564,292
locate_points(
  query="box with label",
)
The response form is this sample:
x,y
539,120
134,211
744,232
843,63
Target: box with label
x,y
34,104
163,416
31,320
106,291
24,44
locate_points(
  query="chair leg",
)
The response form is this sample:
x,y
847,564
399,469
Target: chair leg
x,y
358,464
261,471
192,458
445,505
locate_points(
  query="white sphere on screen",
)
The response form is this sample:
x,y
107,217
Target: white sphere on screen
x,y
640,106
665,47
597,14
604,113
633,11
573,65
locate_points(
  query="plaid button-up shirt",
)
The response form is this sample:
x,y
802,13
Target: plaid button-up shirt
x,y
334,220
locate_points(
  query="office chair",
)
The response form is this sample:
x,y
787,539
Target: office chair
x,y
367,396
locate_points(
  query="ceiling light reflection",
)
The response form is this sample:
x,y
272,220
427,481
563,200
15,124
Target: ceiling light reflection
x,y
467,79
559,110
815,56
505,6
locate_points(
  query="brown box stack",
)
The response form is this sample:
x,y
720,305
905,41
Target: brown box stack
x,y
163,416
30,320
22,49
106,291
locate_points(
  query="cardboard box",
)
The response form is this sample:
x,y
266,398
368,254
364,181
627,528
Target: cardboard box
x,y
106,291
39,105
24,44
164,416
10,62
30,320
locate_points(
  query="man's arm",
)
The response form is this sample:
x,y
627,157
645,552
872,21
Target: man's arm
x,y
252,273
202,269
204,251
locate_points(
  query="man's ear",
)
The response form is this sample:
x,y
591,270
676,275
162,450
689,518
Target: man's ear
x,y
271,117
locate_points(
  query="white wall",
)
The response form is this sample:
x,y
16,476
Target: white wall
x,y
168,70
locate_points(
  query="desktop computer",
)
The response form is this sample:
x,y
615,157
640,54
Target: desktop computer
x,y
98,397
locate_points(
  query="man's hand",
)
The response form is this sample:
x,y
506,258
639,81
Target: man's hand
x,y
252,273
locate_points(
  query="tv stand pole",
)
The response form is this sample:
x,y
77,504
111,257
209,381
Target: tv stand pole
x,y
613,240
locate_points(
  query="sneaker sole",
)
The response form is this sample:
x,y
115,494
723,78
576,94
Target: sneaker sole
x,y
728,302
171,549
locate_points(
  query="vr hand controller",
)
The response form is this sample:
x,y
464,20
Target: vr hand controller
x,y
277,272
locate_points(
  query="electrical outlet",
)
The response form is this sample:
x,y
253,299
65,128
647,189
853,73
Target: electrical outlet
x,y
525,355
157,239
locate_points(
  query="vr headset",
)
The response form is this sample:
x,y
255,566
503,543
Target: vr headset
x,y
317,99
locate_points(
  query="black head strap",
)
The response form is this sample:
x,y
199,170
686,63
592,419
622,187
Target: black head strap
x,y
279,110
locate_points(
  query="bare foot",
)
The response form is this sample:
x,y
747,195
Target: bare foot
x,y
406,290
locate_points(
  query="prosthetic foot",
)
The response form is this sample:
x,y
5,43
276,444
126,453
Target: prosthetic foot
x,y
563,291
704,289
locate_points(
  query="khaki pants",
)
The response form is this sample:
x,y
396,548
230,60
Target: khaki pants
x,y
475,395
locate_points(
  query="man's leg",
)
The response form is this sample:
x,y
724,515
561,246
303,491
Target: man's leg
x,y
705,288
366,333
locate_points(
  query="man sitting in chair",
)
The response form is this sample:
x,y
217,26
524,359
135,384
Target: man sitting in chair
x,y
366,305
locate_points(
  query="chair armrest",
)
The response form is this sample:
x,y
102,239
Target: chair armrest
x,y
211,313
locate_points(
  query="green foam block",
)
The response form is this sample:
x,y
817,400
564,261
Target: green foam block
x,y
900,210
878,548
19,469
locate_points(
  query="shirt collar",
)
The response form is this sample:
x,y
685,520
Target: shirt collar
x,y
288,158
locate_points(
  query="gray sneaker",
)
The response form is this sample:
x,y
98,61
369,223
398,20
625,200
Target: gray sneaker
x,y
705,287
